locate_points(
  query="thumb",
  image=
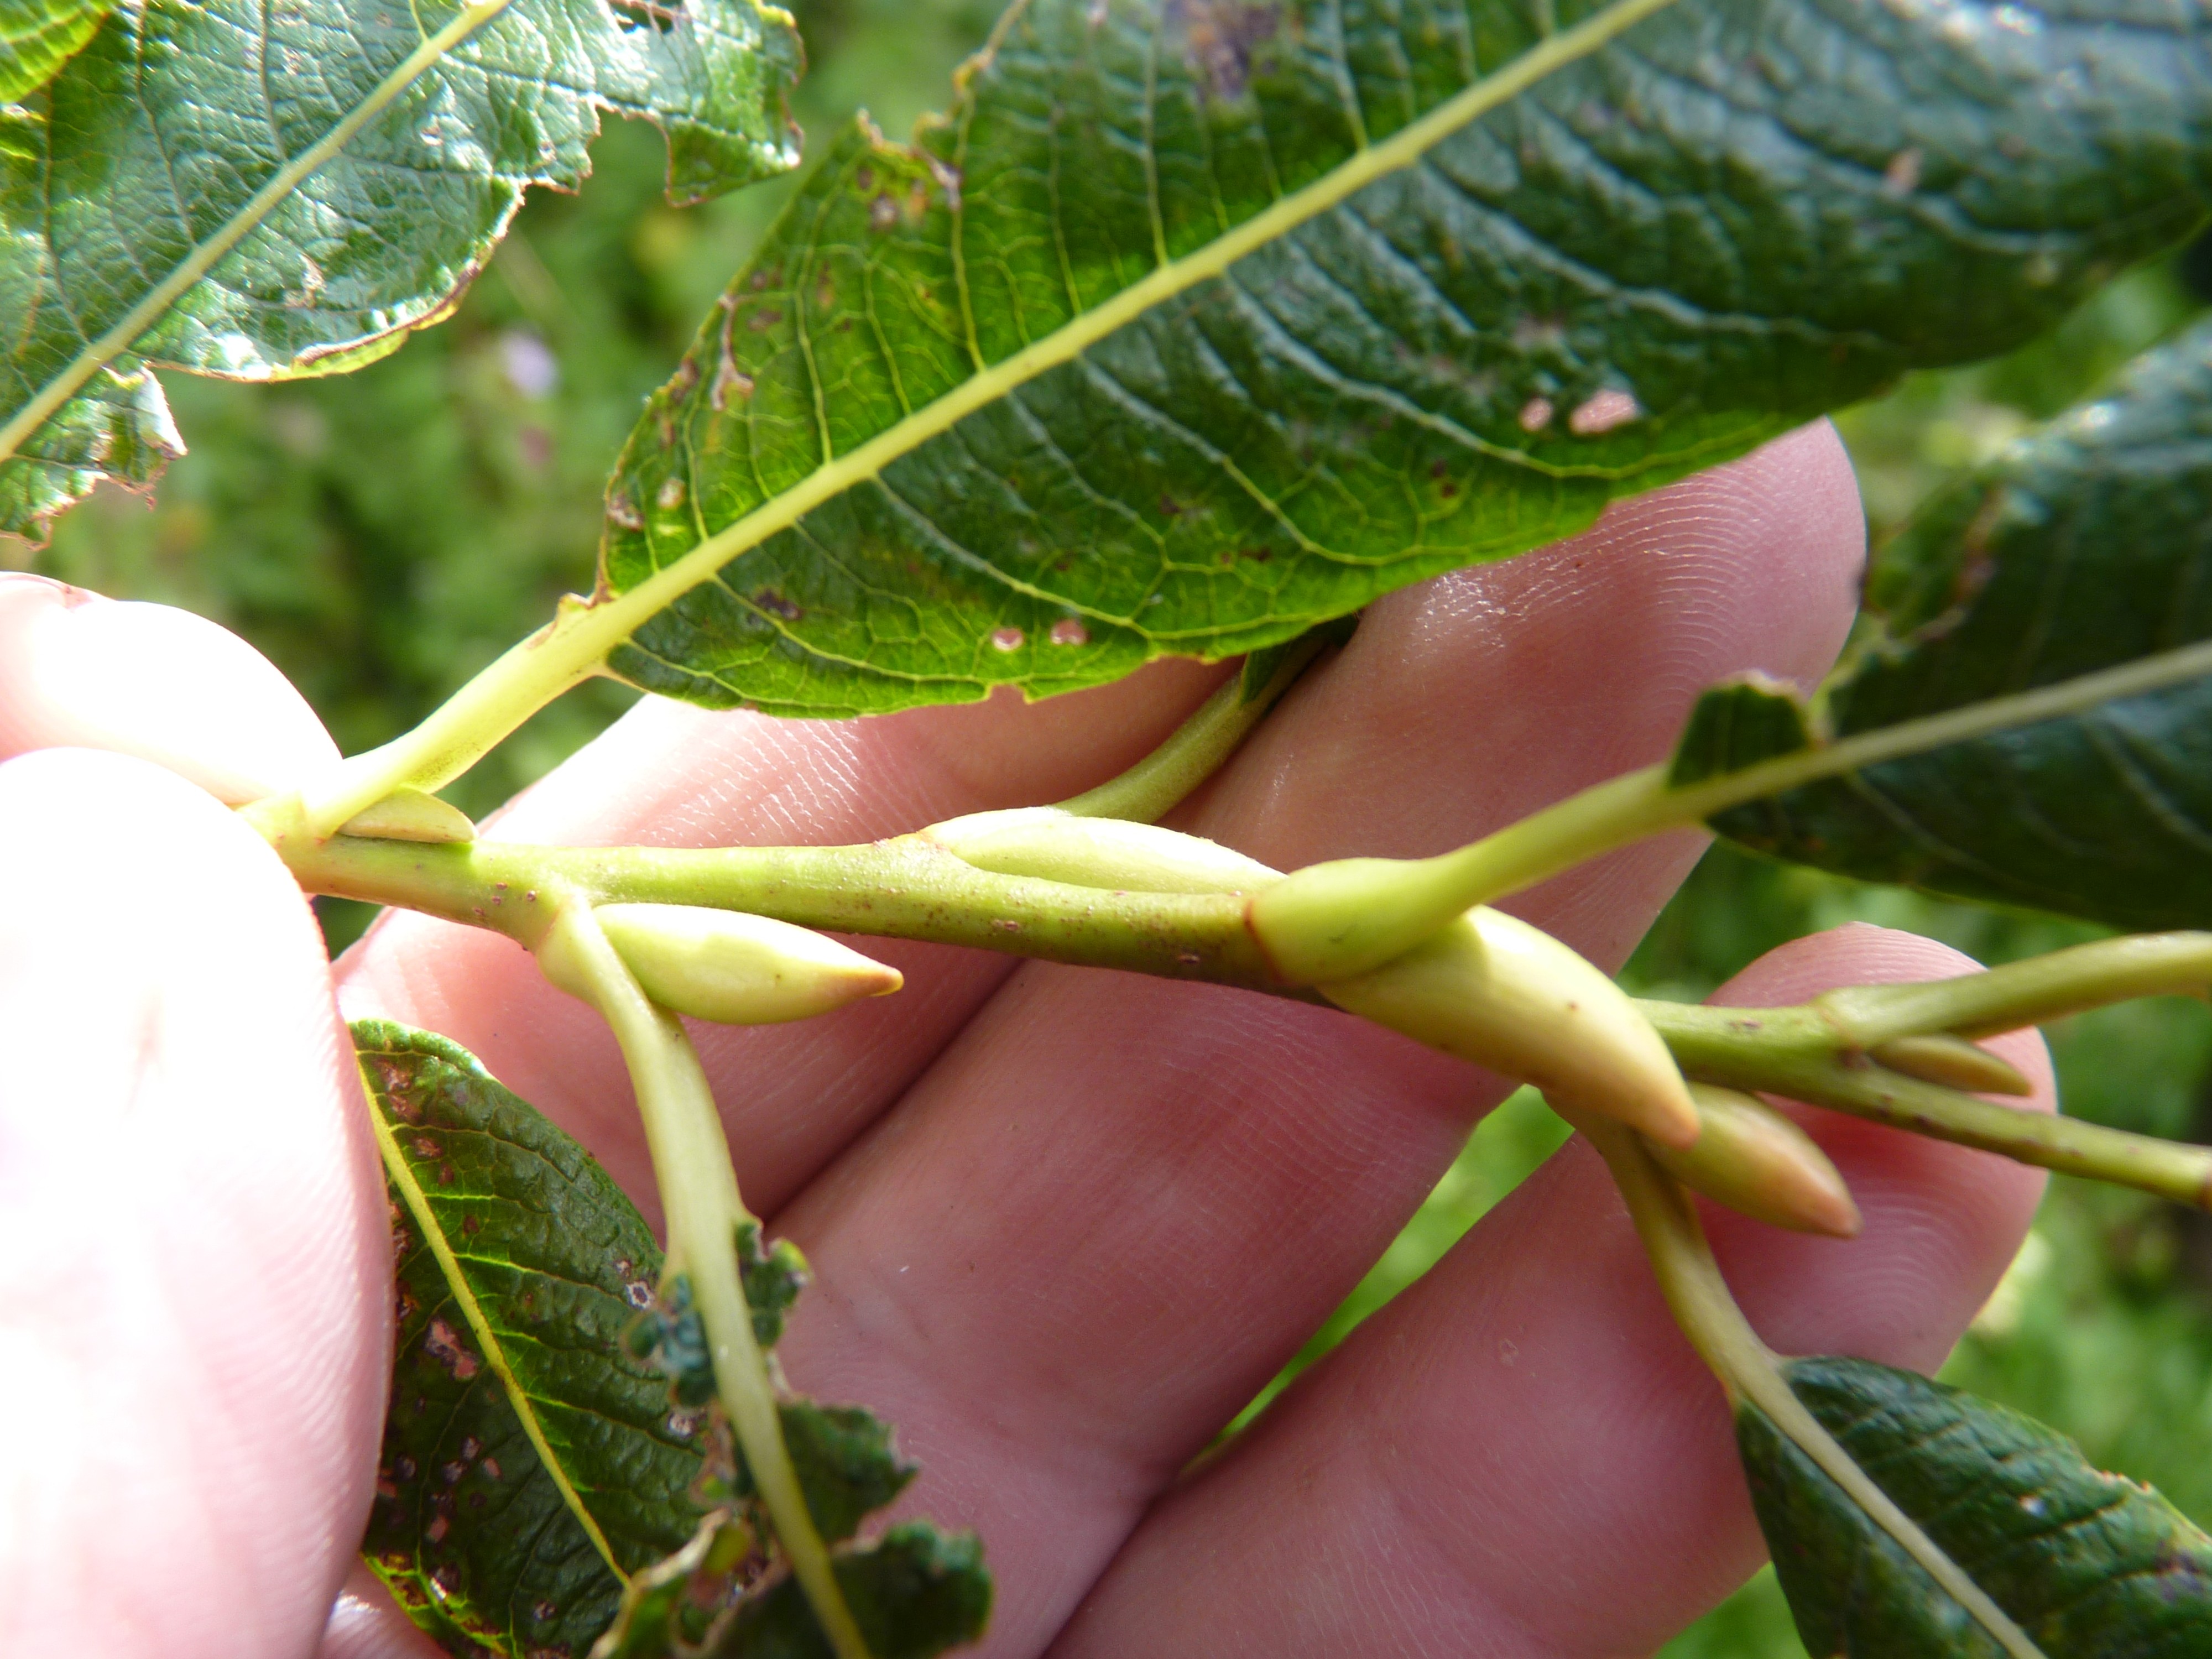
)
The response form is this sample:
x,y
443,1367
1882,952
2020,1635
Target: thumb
x,y
195,1284
77,671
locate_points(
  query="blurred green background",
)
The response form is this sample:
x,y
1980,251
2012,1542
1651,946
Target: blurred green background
x,y
382,536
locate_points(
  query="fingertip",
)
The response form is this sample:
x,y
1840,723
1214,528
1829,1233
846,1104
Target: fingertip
x,y
180,1125
78,671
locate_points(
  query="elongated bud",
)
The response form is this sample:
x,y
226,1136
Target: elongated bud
x,y
1331,921
1051,845
1752,1158
410,814
1940,1058
725,966
1490,988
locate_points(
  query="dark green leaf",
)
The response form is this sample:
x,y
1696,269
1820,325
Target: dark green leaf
x,y
529,1324
1004,408
914,1592
2086,1562
158,133
2087,546
37,38
472,1529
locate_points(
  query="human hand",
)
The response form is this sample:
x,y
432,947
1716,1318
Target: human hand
x,y
1058,1259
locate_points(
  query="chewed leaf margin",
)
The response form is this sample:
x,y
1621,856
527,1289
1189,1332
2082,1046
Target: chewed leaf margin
x,y
548,1455
316,246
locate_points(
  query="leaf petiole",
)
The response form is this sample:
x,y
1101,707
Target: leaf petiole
x,y
1797,1053
699,1191
1699,1299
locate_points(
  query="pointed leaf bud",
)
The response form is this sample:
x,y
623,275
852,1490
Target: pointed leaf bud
x,y
1330,921
1938,1057
1752,1158
410,814
1052,845
1490,988
736,968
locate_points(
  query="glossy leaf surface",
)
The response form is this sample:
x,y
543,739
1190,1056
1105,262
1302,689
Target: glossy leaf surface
x,y
1196,324
2087,546
2084,1562
37,38
160,132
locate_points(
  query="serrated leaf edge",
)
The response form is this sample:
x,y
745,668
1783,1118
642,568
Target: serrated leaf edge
x,y
205,256
401,1175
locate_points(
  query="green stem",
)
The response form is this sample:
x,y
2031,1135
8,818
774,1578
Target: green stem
x,y
1148,791
2022,993
1699,1299
1388,907
1797,1053
699,1193
906,888
202,258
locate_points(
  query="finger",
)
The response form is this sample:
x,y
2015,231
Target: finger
x,y
365,1623
77,671
666,774
1116,1205
195,1281
1521,1454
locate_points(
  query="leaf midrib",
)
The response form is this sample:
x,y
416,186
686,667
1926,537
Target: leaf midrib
x,y
205,255
610,621
419,1205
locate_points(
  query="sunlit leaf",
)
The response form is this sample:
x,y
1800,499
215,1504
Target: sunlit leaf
x,y
157,136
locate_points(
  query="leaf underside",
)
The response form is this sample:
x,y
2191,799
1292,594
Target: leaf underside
x,y
2087,546
552,1316
471,1530
2083,1561
1736,214
161,130
37,37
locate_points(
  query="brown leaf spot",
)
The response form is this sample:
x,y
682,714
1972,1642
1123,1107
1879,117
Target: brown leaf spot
x,y
443,1345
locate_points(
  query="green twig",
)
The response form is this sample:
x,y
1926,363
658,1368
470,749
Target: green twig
x,y
1355,915
1148,791
1797,1053
699,1192
905,888
1699,1299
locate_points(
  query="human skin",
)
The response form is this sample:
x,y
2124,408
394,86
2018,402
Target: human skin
x,y
1065,1223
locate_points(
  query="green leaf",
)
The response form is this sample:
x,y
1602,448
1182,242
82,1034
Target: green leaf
x,y
181,125
1197,323
2084,1562
529,1463
914,1592
37,37
2086,547
548,1443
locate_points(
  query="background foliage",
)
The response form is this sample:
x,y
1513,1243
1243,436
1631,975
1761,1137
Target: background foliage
x,y
383,535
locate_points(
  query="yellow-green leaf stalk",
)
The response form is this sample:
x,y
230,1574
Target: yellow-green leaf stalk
x,y
1755,1160
1492,990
